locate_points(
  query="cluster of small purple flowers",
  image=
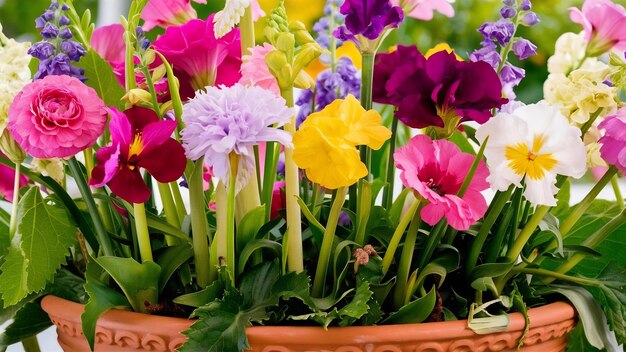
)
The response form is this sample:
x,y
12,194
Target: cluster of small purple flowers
x,y
56,51
329,86
326,25
500,34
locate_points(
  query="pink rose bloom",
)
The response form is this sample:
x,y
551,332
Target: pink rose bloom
x,y
199,59
56,117
254,70
604,23
435,170
424,9
613,142
7,177
165,13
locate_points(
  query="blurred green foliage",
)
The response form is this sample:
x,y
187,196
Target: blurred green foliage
x,y
460,32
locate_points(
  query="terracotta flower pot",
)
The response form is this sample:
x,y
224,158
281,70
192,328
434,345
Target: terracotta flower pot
x,y
128,331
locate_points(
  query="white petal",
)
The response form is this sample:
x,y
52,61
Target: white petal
x,y
541,192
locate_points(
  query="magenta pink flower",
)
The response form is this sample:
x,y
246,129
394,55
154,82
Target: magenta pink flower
x,y
164,13
7,177
613,142
604,23
424,9
199,59
254,70
139,140
56,117
108,42
435,171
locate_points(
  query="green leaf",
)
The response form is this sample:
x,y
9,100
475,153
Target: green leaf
x,y
462,142
254,246
28,321
101,299
590,314
358,306
563,200
202,297
100,77
577,342
490,270
171,259
139,281
249,225
39,247
414,312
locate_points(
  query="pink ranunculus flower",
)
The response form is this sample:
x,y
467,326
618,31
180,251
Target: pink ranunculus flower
x,y
198,58
613,142
254,70
56,117
424,9
165,13
604,23
7,177
435,170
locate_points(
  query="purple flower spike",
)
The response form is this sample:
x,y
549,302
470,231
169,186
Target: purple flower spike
x,y
49,31
524,49
65,33
73,49
500,31
42,50
508,12
64,21
508,2
48,15
526,5
368,19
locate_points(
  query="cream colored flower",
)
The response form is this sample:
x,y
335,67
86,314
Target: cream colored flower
x,y
14,73
569,49
49,167
225,20
582,92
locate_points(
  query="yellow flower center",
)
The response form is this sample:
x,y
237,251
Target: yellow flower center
x,y
528,161
134,150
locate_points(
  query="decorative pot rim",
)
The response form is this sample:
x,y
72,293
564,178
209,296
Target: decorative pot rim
x,y
539,317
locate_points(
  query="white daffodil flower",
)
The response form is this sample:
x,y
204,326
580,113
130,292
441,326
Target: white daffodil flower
x,y
533,144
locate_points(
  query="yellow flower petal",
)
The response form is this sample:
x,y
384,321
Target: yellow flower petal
x,y
441,47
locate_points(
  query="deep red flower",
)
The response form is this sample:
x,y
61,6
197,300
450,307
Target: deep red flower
x,y
139,140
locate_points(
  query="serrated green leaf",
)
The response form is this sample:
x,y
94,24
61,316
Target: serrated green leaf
x,y
39,247
100,77
357,308
414,312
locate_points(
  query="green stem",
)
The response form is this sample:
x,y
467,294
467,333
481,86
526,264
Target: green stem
x,y
178,199
295,259
594,116
246,28
143,235
618,193
30,344
582,207
272,153
15,202
88,153
169,208
155,100
391,167
327,244
85,191
404,267
230,215
131,83
397,236
431,244
592,242
555,275
498,203
526,232
199,225
367,80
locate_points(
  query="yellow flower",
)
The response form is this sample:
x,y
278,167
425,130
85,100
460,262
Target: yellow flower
x,y
347,49
441,47
325,144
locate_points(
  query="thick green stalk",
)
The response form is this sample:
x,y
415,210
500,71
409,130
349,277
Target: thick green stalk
x,y
16,199
582,207
169,208
85,191
592,242
272,153
555,275
526,232
221,222
295,259
498,203
178,199
143,235
327,244
31,344
246,28
397,236
391,167
367,81
404,267
199,225
618,192
431,244
230,215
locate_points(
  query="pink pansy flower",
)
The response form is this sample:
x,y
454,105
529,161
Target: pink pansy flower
x,y
254,70
424,9
613,142
199,59
7,177
139,140
56,117
435,170
604,23
164,13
